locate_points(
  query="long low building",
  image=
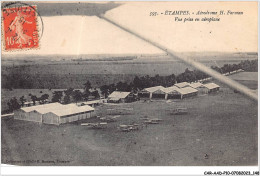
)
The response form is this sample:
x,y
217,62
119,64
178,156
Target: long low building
x,y
93,103
54,113
70,114
178,91
120,97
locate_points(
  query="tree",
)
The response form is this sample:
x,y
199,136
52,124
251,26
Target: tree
x,y
22,100
57,95
137,83
43,98
169,80
104,90
216,69
66,99
112,88
226,68
68,94
86,93
95,94
77,96
87,86
13,104
69,91
34,99
122,86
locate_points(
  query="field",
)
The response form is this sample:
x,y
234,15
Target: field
x,y
62,75
221,125
249,79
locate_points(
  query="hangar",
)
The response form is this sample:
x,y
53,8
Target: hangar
x,y
69,114
152,92
54,113
179,93
212,87
188,92
120,97
172,92
200,87
34,113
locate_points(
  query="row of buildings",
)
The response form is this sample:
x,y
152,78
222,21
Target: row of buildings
x,y
178,91
54,113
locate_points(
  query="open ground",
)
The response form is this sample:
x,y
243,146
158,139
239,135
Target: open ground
x,y
221,125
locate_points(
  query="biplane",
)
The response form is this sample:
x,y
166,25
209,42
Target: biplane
x,y
110,119
180,111
153,121
127,128
100,125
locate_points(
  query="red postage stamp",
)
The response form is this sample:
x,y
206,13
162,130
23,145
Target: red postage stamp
x,y
19,27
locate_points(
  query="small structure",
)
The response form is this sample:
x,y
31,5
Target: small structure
x,y
152,92
182,85
120,97
212,87
92,103
28,103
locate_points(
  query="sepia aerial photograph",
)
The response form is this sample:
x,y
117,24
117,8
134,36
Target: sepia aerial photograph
x,y
129,83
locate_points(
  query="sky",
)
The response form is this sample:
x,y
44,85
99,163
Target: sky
x,y
75,30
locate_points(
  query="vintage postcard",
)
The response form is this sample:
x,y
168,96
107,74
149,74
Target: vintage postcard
x,y
129,83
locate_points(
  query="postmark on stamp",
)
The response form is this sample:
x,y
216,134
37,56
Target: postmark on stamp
x,y
19,28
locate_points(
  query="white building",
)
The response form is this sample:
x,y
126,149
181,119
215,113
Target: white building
x,y
49,113
68,114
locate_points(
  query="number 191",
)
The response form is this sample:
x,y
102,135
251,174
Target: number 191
x,y
153,13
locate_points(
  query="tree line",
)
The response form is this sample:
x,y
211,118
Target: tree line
x,y
142,82
65,97
248,66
